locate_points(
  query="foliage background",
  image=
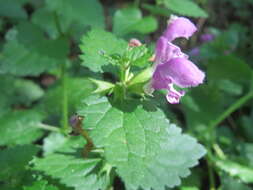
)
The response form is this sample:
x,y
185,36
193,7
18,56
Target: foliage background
x,y
43,80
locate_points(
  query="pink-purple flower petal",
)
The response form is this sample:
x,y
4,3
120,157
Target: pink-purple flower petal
x,y
183,72
179,27
171,65
166,50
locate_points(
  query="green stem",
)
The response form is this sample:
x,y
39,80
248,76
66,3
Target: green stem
x,y
65,125
219,151
210,174
211,129
48,127
226,113
231,109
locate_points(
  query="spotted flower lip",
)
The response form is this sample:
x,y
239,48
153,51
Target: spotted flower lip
x,y
172,66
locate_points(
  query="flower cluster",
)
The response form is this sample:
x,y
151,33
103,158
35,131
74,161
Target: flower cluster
x,y
171,64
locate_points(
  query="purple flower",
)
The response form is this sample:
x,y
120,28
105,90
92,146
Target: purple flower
x,y
195,52
206,37
171,64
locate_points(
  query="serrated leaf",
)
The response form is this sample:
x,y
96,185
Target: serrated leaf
x,y
67,165
234,169
88,12
95,43
130,20
34,54
138,56
14,160
40,185
139,141
185,7
12,9
20,127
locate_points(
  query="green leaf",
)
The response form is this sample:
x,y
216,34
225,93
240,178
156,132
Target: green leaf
x,y
102,86
189,188
14,160
229,67
200,112
246,152
67,165
94,44
155,9
130,20
246,129
40,185
229,183
46,20
82,12
20,127
147,150
34,54
138,56
138,83
12,9
141,77
53,142
185,7
26,92
230,87
17,92
234,169
77,89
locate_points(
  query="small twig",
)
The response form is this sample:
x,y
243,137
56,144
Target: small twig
x,y
78,128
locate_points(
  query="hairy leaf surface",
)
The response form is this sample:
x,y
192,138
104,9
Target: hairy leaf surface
x,y
146,149
67,164
96,43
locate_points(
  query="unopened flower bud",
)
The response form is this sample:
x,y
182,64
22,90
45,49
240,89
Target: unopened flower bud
x,y
134,42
